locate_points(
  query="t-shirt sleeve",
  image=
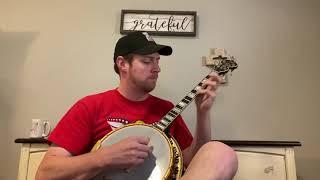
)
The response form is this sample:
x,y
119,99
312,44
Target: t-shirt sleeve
x,y
73,130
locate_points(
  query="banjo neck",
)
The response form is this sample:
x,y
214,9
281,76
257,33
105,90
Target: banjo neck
x,y
166,120
221,63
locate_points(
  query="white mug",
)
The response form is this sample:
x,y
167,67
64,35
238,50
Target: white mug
x,y
40,128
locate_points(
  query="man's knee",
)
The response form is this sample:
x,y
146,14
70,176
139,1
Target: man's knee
x,y
223,154
216,148
219,147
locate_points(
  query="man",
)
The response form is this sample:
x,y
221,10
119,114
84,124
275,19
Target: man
x,y
136,60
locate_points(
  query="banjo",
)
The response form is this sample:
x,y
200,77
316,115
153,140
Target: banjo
x,y
165,161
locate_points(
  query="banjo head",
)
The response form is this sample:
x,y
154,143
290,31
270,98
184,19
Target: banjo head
x,y
156,166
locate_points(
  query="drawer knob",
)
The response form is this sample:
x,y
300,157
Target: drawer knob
x,y
269,169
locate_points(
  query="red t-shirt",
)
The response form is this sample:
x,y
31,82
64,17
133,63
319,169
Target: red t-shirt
x,y
92,117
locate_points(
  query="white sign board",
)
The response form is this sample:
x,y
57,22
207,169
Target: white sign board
x,y
168,23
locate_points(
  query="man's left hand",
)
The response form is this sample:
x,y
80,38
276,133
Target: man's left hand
x,y
207,94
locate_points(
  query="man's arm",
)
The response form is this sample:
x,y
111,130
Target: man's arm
x,y
58,163
202,135
204,102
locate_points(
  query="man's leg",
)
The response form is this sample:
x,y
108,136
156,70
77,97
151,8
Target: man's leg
x,y
215,161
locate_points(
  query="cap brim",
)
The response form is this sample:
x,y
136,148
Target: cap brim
x,y
152,48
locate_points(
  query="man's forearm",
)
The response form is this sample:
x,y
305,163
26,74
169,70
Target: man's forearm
x,y
203,130
84,166
202,135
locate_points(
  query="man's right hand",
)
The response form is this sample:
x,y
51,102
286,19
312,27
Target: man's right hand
x,y
125,154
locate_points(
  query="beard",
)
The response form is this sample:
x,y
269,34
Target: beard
x,y
146,85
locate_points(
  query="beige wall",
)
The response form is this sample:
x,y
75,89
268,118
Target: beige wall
x,y
55,52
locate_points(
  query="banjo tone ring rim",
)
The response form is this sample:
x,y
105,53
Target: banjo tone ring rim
x,y
171,153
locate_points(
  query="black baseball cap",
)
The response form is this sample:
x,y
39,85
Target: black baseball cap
x,y
139,42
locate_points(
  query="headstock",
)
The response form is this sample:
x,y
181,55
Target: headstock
x,y
220,62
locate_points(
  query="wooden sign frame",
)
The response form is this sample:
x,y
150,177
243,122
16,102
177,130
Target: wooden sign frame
x,y
162,23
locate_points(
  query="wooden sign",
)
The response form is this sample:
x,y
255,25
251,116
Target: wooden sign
x,y
162,23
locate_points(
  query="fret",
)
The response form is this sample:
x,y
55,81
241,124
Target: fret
x,y
192,95
160,127
182,104
176,110
207,77
200,84
162,124
173,112
188,98
166,119
179,107
197,88
170,114
194,91
185,101
169,117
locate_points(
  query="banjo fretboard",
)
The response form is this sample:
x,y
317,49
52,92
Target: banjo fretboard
x,y
222,65
165,122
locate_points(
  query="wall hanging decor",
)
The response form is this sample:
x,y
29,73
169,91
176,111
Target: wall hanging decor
x,y
161,23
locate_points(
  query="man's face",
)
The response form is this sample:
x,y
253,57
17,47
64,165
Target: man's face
x,y
143,71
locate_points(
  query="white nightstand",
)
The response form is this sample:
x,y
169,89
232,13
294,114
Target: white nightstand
x,y
32,152
265,160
